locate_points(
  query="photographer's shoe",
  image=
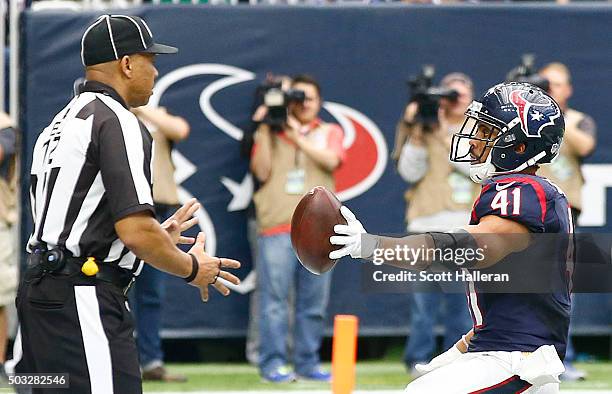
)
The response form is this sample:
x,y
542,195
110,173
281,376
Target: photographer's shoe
x,y
572,374
279,375
316,375
160,374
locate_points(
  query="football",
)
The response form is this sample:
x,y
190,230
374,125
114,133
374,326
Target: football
x,y
312,224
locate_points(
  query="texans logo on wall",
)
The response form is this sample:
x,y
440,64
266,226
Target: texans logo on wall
x,y
365,145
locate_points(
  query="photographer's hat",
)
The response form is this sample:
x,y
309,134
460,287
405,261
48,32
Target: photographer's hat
x,y
112,36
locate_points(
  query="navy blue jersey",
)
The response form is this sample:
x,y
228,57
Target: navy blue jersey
x,y
525,321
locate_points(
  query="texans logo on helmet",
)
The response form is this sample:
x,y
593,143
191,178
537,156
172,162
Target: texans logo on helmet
x,y
534,111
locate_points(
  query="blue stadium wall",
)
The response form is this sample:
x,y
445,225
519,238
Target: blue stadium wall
x,y
362,56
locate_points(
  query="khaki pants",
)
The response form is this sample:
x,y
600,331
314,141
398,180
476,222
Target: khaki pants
x,y
8,265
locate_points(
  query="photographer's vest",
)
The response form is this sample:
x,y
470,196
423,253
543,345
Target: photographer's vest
x,y
8,194
274,206
565,170
443,188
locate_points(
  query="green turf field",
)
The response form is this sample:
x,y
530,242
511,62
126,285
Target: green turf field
x,y
371,375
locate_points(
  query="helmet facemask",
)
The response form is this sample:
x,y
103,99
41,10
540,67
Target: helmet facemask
x,y
486,131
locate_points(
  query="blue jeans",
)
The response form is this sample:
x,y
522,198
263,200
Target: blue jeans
x,y
278,270
148,295
424,310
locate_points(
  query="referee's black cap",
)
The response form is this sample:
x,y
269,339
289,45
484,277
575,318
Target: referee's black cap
x,y
112,36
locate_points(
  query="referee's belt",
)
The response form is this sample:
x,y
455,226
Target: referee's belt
x,y
56,262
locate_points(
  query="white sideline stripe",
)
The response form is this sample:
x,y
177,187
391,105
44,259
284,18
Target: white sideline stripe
x,y
97,351
355,392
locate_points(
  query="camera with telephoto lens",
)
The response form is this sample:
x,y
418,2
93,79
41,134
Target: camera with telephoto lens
x,y
428,97
525,72
277,100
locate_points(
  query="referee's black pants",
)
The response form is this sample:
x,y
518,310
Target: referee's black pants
x,y
79,326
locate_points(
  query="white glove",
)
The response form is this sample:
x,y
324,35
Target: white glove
x,y
443,359
350,236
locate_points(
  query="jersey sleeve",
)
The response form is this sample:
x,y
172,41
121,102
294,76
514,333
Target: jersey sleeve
x,y
124,156
522,202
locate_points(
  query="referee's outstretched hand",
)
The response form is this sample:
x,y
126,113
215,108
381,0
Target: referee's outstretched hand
x,y
211,269
182,220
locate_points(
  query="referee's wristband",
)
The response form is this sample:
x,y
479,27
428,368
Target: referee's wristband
x,y
195,267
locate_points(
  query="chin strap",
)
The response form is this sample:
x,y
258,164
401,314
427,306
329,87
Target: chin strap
x,y
531,162
482,171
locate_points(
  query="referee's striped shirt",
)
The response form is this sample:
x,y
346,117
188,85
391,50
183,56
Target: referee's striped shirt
x,y
91,167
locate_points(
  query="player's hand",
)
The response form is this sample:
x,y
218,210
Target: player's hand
x,y
349,236
443,359
182,220
211,269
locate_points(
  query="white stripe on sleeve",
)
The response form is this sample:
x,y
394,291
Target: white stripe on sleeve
x,y
132,138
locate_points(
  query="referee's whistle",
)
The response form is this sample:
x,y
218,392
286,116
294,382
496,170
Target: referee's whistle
x,y
90,268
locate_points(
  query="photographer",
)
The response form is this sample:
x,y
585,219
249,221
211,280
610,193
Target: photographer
x,y
8,218
439,199
579,141
166,130
260,114
288,162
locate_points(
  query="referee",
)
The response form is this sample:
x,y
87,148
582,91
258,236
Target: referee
x,y
94,223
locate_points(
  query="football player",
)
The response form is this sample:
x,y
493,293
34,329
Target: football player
x,y
518,339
